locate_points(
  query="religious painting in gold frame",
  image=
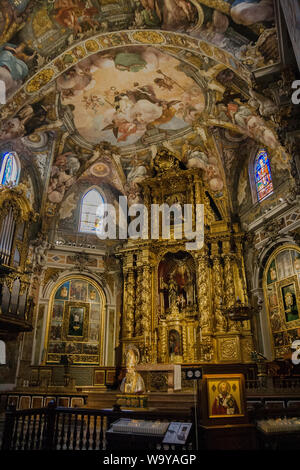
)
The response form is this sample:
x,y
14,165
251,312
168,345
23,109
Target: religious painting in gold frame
x,y
289,299
224,398
76,321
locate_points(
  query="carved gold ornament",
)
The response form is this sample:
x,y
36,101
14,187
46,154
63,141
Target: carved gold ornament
x,y
39,80
148,37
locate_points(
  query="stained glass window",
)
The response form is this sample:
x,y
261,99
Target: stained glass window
x,y
10,169
92,212
263,176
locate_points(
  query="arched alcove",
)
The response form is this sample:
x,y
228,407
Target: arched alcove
x,y
76,322
281,284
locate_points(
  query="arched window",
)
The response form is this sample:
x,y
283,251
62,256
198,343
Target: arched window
x,y
262,175
91,211
10,169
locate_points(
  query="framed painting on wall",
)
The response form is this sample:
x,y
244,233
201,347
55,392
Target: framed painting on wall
x,y
289,297
225,398
289,302
63,292
76,320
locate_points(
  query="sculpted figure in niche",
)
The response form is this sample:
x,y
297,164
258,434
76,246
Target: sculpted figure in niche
x,y
185,286
174,344
172,288
177,286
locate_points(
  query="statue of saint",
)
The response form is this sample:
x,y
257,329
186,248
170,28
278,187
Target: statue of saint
x,y
172,287
133,381
174,344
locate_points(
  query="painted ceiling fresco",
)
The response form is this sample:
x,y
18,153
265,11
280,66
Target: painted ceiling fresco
x,y
34,32
126,92
94,87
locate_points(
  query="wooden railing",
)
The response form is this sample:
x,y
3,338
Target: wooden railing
x,y
54,428
253,384
282,384
286,383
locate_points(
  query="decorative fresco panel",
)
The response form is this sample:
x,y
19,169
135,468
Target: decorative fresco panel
x,y
149,91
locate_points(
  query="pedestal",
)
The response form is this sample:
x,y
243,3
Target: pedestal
x,y
173,372
132,400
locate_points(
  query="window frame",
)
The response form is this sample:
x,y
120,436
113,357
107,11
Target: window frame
x,y
252,175
4,160
101,194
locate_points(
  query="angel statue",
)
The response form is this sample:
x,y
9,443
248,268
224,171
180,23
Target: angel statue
x,y
40,251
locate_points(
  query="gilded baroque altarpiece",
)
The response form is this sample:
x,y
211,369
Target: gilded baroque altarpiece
x,y
174,299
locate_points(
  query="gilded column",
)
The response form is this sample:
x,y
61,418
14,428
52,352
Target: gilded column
x,y
240,266
203,291
229,287
146,304
138,303
143,300
218,292
185,352
246,339
191,349
162,343
129,300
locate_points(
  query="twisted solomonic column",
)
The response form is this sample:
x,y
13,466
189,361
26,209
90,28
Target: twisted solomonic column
x,y
220,322
203,291
229,288
129,300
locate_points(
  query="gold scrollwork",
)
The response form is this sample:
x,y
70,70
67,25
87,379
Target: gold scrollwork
x,y
148,37
39,80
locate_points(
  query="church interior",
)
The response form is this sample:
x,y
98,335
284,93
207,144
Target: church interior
x,y
102,337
